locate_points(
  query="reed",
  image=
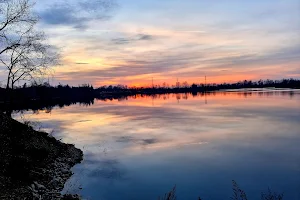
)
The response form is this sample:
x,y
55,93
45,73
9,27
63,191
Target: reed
x,y
238,194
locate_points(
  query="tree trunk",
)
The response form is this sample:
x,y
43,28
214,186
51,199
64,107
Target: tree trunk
x,y
8,99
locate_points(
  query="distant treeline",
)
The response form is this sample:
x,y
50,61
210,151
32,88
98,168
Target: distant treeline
x,y
45,95
185,88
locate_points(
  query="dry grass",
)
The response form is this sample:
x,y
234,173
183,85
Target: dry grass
x,y
170,195
238,194
271,196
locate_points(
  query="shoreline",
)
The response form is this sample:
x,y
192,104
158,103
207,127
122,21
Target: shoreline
x,y
49,103
33,165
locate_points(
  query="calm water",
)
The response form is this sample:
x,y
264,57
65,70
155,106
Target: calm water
x,y
141,147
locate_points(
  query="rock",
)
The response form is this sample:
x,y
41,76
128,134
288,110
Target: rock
x,y
33,189
65,171
55,181
35,196
71,197
39,186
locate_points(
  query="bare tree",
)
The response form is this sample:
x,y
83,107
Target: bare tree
x,y
24,52
29,60
15,18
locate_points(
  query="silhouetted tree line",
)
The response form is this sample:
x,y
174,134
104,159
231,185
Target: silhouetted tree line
x,y
45,96
284,83
185,88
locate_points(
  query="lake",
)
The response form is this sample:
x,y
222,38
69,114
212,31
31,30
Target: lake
x,y
142,146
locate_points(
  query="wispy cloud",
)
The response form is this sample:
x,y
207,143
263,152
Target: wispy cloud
x,y
81,63
190,64
77,14
131,39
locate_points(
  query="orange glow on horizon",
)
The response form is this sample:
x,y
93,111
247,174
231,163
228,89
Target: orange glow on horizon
x,y
172,81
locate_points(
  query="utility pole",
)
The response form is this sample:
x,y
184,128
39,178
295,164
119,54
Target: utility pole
x,y
205,84
152,83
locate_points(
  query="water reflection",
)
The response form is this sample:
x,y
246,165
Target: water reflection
x,y
139,147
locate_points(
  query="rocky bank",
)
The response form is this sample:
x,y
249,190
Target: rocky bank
x,y
33,165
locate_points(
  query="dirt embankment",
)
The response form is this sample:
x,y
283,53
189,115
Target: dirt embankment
x,y
33,165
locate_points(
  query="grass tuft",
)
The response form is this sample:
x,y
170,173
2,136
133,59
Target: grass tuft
x,y
238,194
170,195
271,196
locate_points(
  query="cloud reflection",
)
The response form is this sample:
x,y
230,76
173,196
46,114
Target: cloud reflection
x,y
250,136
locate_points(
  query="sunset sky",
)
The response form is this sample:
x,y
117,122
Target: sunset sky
x,y
131,41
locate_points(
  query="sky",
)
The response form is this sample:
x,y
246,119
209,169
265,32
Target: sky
x,y
105,42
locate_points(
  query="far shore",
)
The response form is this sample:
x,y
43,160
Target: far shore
x,y
41,102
